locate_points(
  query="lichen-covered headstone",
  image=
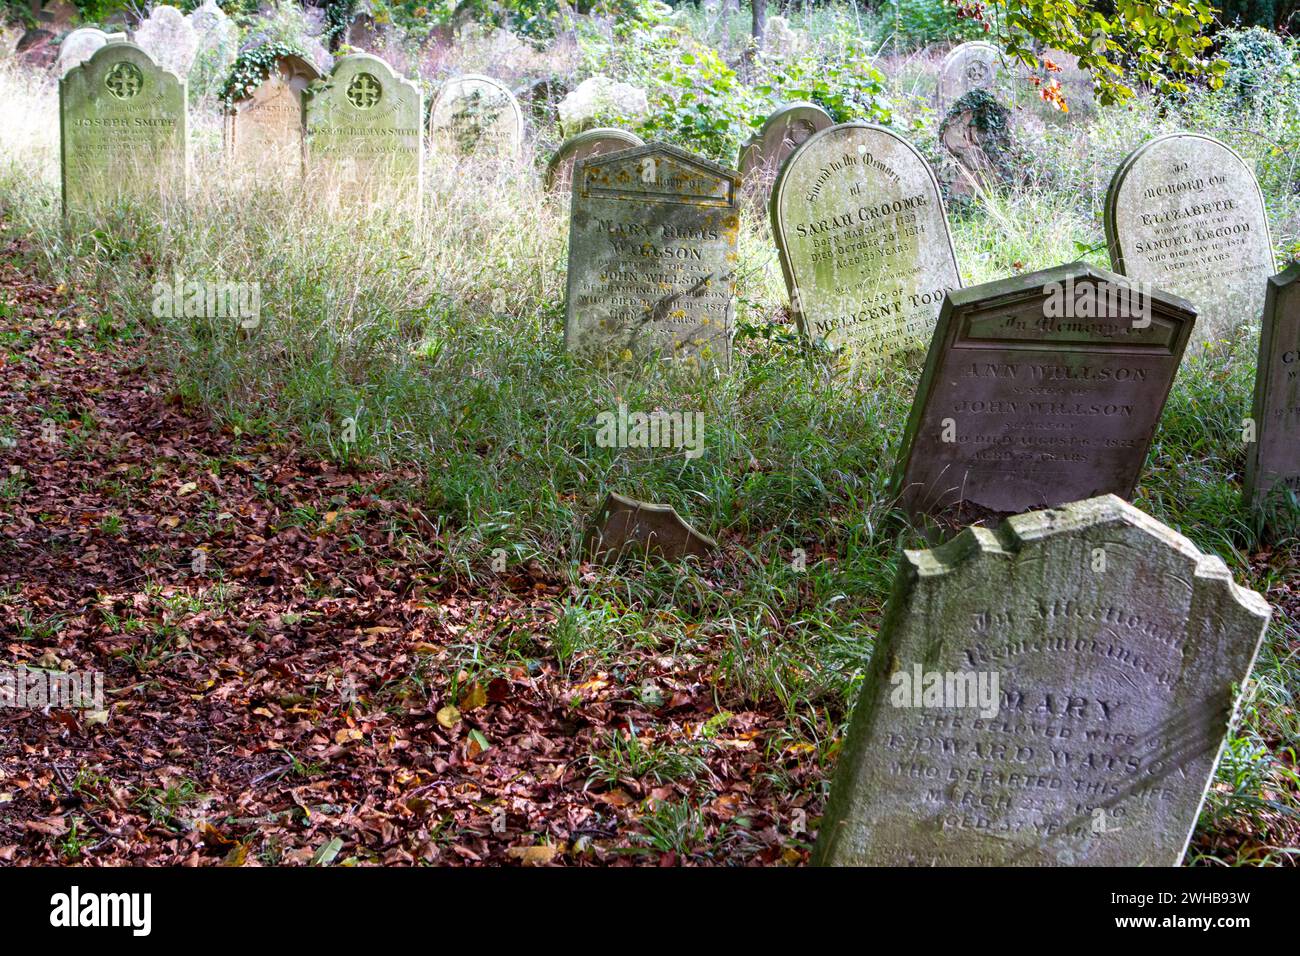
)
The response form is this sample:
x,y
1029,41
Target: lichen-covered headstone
x,y
168,37
1037,390
1185,213
1054,692
969,66
594,142
781,134
652,255
123,131
1273,459
365,138
78,46
476,114
265,129
863,239
976,133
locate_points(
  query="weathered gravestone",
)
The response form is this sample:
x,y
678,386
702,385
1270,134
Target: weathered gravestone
x,y
122,129
264,130
474,113
863,239
365,134
1038,390
969,66
594,142
78,45
624,525
1273,460
1053,692
977,136
1185,213
216,45
169,38
781,134
652,255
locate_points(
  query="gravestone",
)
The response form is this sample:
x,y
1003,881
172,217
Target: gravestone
x,y
623,525
217,45
969,66
264,131
977,136
78,45
122,127
1273,459
1184,213
594,142
169,39
365,133
1115,645
474,113
781,134
652,255
863,239
1038,390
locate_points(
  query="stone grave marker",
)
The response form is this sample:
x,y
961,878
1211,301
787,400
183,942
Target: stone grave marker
x,y
122,127
1038,390
216,45
475,113
365,132
863,239
78,45
1273,459
593,142
781,134
1054,692
977,136
652,255
264,130
969,66
169,38
623,525
1184,213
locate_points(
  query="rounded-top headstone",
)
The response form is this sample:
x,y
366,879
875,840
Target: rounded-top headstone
x,y
78,46
968,66
1185,214
264,128
781,134
863,238
593,142
473,113
169,39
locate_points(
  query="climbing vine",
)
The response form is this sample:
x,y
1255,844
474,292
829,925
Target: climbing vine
x,y
253,66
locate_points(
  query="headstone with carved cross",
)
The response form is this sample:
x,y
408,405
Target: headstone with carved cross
x,y
476,114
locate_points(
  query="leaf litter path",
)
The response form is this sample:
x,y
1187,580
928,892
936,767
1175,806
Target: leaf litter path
x,y
288,672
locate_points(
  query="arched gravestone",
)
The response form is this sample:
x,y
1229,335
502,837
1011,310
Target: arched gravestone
x,y
594,142
265,130
1038,390
168,36
364,134
1273,459
475,113
1184,213
122,127
652,255
781,134
1116,646
78,45
969,66
863,239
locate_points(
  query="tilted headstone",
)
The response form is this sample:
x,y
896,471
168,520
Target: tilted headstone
x,y
265,130
1273,459
1185,213
781,134
365,132
473,114
78,46
863,239
623,525
652,255
168,37
976,133
1038,390
969,66
123,131
594,142
1054,692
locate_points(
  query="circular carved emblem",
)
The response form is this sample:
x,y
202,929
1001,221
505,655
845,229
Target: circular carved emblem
x,y
364,91
979,73
124,80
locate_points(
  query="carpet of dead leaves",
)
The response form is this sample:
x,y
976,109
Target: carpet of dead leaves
x,y
276,719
